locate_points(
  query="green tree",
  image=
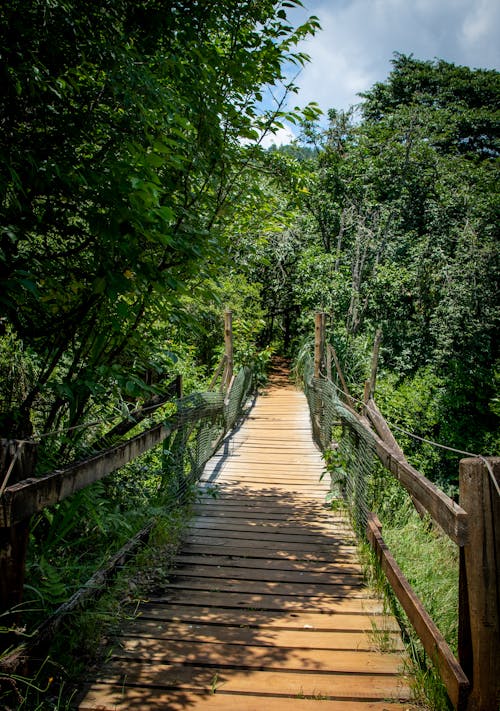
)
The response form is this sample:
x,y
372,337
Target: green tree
x,y
121,159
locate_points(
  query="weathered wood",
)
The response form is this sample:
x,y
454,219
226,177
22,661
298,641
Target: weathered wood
x,y
449,515
17,460
228,348
31,495
329,362
323,621
128,698
302,683
265,607
319,341
479,636
274,602
217,372
366,395
242,634
452,674
385,433
446,513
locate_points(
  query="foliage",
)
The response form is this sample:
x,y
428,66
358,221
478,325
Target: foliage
x,y
396,229
122,157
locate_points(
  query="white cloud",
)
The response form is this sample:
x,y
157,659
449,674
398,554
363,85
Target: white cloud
x,y
359,37
282,137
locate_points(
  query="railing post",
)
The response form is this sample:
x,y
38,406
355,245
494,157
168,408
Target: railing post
x,y
479,615
319,341
17,462
228,346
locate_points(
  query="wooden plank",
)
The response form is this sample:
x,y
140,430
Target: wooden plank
x,y
124,698
250,656
234,510
263,587
433,641
31,495
246,636
273,528
269,574
224,561
264,541
367,686
271,601
346,553
270,619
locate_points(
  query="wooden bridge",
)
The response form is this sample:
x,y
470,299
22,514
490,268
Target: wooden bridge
x,y
267,607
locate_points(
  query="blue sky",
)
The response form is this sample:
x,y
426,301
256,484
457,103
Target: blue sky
x,y
359,37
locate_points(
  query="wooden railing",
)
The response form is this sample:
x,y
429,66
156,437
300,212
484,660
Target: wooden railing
x,y
22,494
472,681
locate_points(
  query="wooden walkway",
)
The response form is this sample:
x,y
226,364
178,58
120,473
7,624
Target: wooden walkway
x,y
267,609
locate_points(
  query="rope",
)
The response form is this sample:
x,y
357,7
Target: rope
x,y
353,465
431,442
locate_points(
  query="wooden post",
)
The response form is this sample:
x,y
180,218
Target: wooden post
x,y
329,363
319,341
17,462
373,374
366,395
479,614
228,346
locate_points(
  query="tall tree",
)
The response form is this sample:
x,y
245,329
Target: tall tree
x,y
121,151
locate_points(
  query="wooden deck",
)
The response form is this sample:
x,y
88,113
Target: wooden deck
x,y
267,609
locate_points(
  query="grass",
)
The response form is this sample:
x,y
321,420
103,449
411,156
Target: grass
x,y
429,560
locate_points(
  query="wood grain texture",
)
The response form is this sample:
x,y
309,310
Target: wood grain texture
x,y
266,608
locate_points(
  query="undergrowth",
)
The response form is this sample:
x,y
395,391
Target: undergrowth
x,y
86,637
429,561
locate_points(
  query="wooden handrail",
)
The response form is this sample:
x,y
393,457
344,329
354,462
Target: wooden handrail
x,y
452,674
447,513
473,682
34,494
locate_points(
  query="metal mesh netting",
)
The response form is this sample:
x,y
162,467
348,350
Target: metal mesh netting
x,y
188,449
347,445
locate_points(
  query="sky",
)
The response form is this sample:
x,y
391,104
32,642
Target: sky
x,y
355,47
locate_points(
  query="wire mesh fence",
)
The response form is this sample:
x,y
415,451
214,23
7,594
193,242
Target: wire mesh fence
x,y
191,445
348,447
